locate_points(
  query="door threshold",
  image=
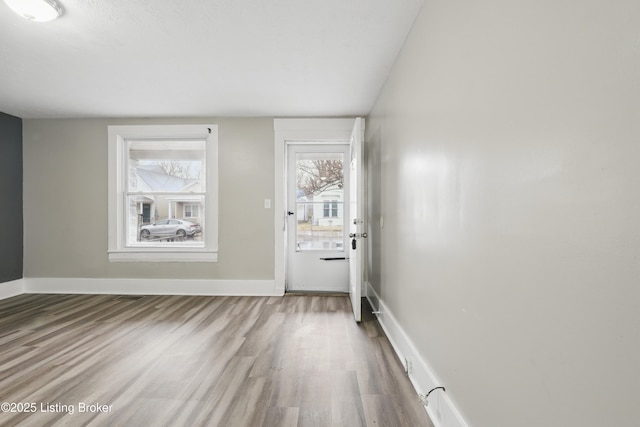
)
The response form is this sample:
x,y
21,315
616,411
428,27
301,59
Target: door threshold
x,y
316,293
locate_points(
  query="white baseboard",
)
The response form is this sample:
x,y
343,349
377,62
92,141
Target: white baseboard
x,y
35,285
441,409
12,288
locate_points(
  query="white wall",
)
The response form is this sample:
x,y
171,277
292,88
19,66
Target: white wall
x,y
505,155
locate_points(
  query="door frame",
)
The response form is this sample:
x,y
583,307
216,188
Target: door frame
x,y
297,131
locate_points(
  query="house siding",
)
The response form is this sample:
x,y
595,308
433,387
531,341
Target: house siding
x,y
11,235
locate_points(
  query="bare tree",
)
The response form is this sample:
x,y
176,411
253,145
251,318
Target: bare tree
x,y
316,176
177,168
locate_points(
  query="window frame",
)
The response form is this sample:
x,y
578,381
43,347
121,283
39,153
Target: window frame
x,y
118,250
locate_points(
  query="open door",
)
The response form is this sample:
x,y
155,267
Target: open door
x,y
356,218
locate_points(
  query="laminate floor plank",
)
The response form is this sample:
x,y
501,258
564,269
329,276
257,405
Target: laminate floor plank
x,y
281,417
296,360
346,400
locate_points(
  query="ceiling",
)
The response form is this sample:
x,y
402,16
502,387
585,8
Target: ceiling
x,y
190,58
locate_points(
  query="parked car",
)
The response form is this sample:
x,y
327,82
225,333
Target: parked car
x,y
169,228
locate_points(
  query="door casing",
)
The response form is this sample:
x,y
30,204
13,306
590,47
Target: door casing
x,y
287,131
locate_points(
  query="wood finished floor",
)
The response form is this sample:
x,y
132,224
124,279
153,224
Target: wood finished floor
x,y
200,361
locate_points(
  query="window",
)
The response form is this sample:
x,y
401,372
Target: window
x,y
191,210
331,209
163,193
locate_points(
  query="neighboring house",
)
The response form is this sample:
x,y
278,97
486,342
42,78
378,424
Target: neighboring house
x,y
325,209
153,207
330,212
320,220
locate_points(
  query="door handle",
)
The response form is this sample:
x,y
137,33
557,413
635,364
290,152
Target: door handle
x,y
290,213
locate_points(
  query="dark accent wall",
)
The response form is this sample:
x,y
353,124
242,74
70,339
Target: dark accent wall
x,y
11,241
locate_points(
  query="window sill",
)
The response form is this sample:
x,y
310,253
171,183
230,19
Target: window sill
x,y
164,256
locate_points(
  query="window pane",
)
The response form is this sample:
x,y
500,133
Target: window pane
x,y
167,224
320,196
166,166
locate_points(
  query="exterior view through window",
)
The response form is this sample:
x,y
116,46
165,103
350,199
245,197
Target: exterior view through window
x,y
166,192
320,201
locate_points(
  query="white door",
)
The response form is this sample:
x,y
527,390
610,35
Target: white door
x,y
356,218
318,211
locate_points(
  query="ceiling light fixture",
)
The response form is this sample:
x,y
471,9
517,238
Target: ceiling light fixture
x,y
36,10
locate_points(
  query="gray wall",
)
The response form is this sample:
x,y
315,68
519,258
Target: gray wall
x,y
11,198
505,146
65,199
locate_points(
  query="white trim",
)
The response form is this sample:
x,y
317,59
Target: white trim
x,y
155,255
38,285
441,408
11,289
299,131
313,124
117,136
